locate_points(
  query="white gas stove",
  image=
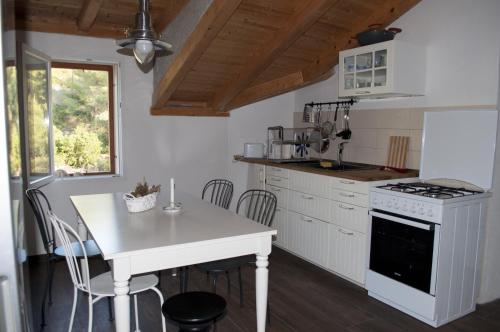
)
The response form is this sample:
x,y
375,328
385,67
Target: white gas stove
x,y
419,200
426,237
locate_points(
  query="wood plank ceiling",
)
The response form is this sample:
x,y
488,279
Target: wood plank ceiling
x,y
96,18
240,52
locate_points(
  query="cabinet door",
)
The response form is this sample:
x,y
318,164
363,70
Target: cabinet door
x,y
349,216
308,237
347,253
256,176
281,225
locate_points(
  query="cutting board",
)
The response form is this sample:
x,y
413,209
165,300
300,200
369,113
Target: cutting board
x,y
398,152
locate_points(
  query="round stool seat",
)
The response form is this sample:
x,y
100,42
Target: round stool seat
x,y
194,308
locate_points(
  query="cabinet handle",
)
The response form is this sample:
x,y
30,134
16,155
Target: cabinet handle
x,y
345,207
347,182
344,232
346,195
362,92
307,197
276,179
307,219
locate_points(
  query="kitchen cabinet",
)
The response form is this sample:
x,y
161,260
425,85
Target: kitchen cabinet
x,y
256,177
388,69
347,252
280,223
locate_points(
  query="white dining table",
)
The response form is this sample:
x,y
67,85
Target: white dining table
x,y
154,240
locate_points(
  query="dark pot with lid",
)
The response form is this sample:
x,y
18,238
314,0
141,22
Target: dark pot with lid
x,y
376,34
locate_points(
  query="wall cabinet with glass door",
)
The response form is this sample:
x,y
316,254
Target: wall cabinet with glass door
x,y
392,68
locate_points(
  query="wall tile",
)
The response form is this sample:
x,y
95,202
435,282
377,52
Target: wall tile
x,y
413,160
393,118
366,138
415,140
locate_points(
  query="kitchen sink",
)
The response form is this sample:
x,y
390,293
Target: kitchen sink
x,y
345,166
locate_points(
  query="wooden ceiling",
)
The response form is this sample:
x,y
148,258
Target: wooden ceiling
x,y
240,52
243,51
97,18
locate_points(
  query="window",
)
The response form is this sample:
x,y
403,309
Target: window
x,y
83,119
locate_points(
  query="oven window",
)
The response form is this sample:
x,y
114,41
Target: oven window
x,y
402,252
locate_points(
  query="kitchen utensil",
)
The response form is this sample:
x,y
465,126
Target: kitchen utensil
x,y
327,126
346,131
376,34
398,152
310,114
318,143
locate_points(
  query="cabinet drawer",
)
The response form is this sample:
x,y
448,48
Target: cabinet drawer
x,y
349,216
350,185
276,171
308,183
350,197
309,205
347,253
277,181
281,195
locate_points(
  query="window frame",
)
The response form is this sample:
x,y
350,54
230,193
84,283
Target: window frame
x,y
112,71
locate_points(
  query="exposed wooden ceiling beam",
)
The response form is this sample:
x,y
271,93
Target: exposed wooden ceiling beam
x,y
322,68
267,89
206,30
88,14
187,111
299,23
387,13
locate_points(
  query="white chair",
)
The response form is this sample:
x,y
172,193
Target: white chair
x,y
100,286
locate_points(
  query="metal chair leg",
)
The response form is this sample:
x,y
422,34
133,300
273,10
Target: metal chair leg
x,y
228,283
214,285
51,279
186,278
241,286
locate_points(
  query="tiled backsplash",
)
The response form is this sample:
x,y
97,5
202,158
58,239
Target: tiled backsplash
x,y
371,130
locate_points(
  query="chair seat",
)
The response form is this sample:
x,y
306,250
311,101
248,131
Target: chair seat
x,y
90,247
194,307
226,264
102,284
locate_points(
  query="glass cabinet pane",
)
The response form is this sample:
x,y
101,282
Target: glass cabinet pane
x,y
348,81
380,77
364,61
381,58
364,79
349,64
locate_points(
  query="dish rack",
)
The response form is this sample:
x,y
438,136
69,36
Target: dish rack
x,y
291,144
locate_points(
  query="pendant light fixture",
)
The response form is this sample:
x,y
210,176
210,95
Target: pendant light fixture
x,y
143,39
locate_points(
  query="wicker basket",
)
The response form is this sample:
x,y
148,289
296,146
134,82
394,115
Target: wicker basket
x,y
139,204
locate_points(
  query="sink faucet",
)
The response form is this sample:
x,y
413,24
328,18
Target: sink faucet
x,y
340,151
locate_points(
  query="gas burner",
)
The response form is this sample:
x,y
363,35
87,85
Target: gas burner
x,y
428,190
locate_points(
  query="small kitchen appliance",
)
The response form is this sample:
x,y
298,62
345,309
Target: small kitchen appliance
x,y
426,236
253,150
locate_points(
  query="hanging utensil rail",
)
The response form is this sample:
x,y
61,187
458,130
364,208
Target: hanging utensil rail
x,y
350,102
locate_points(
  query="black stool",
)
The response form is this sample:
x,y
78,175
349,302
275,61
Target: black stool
x,y
194,311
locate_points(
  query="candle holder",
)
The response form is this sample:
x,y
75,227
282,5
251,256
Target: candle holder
x,y
173,208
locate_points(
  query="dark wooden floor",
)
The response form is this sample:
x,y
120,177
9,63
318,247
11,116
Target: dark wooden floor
x,y
303,297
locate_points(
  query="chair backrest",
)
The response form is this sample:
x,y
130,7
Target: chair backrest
x,y
258,205
40,206
65,233
219,192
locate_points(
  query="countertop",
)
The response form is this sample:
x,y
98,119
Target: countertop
x,y
357,175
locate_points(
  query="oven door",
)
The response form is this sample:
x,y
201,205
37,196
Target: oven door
x,y
404,249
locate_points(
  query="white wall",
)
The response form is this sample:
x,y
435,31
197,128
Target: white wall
x,y
193,150
249,124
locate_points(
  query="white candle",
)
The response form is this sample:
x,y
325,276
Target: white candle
x,y
172,186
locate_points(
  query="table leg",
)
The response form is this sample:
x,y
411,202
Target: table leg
x,y
261,281
121,277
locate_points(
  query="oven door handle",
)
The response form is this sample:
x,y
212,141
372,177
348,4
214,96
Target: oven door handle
x,y
401,220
